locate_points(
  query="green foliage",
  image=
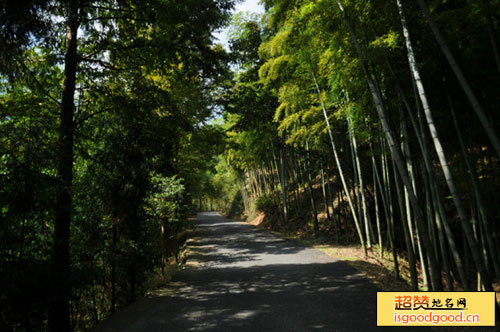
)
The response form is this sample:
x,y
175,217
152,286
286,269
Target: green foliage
x,y
166,195
308,68
390,40
147,151
267,203
143,96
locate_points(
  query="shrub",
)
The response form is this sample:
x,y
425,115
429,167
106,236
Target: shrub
x,y
267,203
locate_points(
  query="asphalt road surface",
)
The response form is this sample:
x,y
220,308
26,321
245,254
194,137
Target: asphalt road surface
x,y
240,278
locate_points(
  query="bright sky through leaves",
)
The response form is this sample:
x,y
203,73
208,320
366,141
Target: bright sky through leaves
x,y
252,6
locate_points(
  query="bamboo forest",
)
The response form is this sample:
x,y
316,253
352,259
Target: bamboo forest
x,y
370,127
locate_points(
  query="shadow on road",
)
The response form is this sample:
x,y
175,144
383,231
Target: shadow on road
x,y
247,279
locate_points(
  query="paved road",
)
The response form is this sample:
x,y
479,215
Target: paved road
x,y
241,278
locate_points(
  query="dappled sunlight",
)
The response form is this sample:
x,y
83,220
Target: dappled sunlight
x,y
237,296
245,248
247,278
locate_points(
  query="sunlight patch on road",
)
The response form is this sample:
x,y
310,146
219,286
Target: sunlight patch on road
x,y
244,314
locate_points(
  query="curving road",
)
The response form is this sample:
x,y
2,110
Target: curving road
x,y
240,278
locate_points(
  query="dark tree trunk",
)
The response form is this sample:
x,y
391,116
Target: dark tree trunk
x,y
284,189
113,264
59,317
309,182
